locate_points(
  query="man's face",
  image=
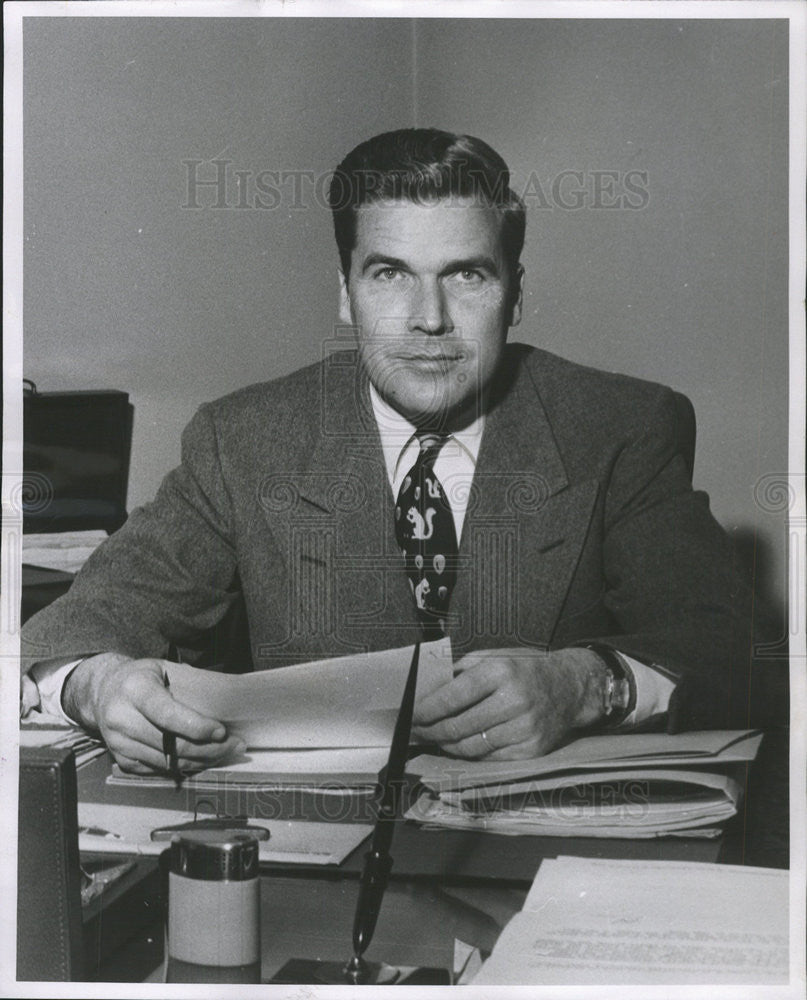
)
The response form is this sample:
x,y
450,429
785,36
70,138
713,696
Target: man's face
x,y
431,297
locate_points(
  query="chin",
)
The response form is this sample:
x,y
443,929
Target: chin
x,y
429,408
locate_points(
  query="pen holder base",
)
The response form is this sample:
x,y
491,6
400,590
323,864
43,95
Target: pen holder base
x,y
302,971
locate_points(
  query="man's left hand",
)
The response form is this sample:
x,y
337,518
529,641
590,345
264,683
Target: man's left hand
x,y
524,701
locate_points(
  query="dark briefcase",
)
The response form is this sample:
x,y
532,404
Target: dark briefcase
x,y
49,923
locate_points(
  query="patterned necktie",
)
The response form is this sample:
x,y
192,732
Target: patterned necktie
x,y
424,527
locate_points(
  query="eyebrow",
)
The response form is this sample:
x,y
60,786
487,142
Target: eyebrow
x,y
482,263
379,258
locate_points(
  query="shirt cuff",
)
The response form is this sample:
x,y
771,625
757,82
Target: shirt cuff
x,y
653,691
49,677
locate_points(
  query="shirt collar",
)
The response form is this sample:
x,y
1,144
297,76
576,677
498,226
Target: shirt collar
x,y
398,434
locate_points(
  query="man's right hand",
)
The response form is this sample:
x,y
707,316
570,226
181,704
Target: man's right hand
x,y
126,701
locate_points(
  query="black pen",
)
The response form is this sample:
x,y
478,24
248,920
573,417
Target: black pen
x,y
170,746
378,862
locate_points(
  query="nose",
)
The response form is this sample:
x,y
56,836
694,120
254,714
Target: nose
x,y
428,311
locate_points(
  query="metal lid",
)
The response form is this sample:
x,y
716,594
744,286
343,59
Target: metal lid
x,y
215,855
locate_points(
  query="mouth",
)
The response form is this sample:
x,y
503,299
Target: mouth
x,y
435,359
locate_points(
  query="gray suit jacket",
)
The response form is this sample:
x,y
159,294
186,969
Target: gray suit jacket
x,y
581,525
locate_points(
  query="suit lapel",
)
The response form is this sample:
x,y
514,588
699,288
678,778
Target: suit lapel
x,y
346,480
524,529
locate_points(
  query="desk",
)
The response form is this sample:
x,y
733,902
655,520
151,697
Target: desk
x,y
445,885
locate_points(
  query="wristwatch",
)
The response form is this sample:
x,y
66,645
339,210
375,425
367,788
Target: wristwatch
x,y
619,695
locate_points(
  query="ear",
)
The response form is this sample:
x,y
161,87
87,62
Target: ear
x,y
517,297
345,312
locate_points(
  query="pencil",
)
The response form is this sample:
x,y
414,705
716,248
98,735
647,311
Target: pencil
x,y
170,746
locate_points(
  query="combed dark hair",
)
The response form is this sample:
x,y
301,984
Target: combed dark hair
x,y
422,165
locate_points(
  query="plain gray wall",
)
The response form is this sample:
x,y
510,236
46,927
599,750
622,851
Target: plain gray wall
x,y
126,288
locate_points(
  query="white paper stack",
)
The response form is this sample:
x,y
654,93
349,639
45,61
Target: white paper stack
x,y
62,550
636,786
328,770
590,921
85,748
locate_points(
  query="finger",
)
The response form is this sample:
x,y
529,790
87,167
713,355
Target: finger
x,y
130,765
144,763
146,692
189,757
483,742
126,723
520,732
462,692
484,715
477,748
524,750
207,754
472,748
136,757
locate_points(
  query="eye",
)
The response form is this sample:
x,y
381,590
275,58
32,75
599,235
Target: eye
x,y
469,276
387,273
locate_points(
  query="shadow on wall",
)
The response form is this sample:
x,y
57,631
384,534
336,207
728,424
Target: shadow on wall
x,y
769,664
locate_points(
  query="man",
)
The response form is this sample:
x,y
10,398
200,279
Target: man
x,y
431,481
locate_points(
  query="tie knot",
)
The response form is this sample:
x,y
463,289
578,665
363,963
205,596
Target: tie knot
x,y
431,443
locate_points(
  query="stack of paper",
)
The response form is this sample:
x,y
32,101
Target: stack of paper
x,y
62,550
333,769
590,921
85,748
647,785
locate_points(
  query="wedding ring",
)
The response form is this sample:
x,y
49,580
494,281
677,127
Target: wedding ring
x,y
485,740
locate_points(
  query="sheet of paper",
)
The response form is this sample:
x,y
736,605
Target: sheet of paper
x,y
349,701
592,921
128,830
591,753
